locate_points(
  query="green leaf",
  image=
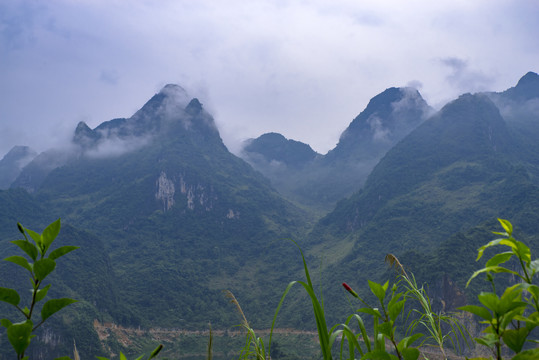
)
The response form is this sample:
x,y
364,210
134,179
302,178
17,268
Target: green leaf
x,y
386,328
515,338
499,258
42,293
44,267
531,321
29,248
61,251
378,354
512,243
494,269
407,341
63,358
10,296
19,260
19,336
507,226
532,354
54,305
49,234
482,248
534,266
488,340
155,351
490,300
512,314
477,310
395,309
410,354
511,299
378,290
523,252
370,311
5,323
36,237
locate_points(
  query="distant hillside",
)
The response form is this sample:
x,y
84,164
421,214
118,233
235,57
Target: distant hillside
x,y
12,164
321,180
167,217
461,168
179,217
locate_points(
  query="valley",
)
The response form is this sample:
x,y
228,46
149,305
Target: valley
x,y
167,218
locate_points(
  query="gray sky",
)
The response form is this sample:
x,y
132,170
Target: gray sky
x,y
301,68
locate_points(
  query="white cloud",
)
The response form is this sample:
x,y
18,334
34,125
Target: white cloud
x,y
304,69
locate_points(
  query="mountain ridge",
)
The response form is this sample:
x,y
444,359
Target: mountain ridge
x,y
176,218
388,117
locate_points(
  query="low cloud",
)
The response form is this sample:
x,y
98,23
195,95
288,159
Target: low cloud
x,y
415,84
412,101
110,77
464,78
380,132
114,146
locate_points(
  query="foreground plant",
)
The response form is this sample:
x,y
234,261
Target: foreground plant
x,y
39,266
152,355
385,320
512,316
384,324
426,318
254,347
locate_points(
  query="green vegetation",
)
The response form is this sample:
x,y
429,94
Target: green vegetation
x,y
170,222
510,317
513,315
40,267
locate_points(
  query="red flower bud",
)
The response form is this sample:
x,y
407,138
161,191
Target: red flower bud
x,y
349,289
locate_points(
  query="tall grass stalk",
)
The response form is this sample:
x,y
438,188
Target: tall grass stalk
x,y
210,345
318,308
326,337
254,346
431,321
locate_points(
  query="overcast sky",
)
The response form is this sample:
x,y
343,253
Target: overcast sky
x,y
301,68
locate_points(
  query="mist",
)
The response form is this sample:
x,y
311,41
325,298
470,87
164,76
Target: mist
x,y
300,69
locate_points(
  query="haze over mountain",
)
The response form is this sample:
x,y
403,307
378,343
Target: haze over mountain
x,y
321,180
12,164
460,169
180,217
167,217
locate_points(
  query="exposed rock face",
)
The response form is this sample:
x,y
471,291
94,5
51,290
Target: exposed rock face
x,y
232,214
165,191
196,195
447,295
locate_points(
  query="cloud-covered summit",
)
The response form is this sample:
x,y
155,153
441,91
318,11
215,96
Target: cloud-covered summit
x,y
388,117
170,107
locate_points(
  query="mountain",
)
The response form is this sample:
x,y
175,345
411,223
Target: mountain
x,y
179,218
167,217
438,169
311,179
526,89
12,164
461,168
389,117
519,106
273,149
